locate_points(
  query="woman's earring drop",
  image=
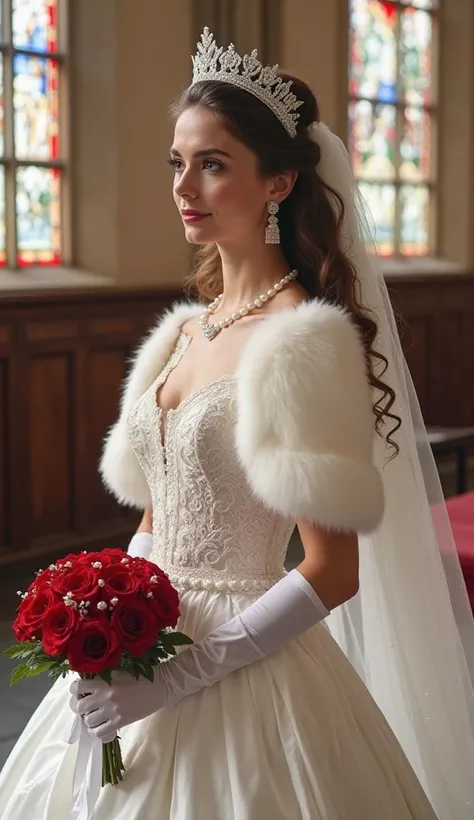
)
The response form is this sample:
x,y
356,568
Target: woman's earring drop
x,y
272,231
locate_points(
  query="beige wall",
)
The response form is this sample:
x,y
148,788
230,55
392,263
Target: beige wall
x,y
94,136
154,63
130,59
456,153
314,47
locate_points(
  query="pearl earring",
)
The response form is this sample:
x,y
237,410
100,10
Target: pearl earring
x,y
272,231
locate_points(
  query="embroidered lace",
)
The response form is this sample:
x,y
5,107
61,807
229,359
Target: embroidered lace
x,y
209,530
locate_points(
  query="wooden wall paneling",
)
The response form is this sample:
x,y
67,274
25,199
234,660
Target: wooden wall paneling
x,y
111,328
67,353
5,336
105,371
416,341
5,457
5,445
52,342
469,370
465,365
80,511
51,330
110,345
448,352
442,365
18,438
51,402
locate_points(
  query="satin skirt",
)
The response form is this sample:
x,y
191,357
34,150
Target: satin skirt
x,y
296,735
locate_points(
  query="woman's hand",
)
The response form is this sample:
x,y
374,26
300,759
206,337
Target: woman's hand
x,y
106,709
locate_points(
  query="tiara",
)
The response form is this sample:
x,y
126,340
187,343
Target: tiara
x,y
247,72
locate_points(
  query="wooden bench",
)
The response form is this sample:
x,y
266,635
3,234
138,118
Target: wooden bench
x,y
456,441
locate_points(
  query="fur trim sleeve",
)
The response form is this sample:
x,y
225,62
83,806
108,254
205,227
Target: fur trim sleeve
x,y
119,467
305,423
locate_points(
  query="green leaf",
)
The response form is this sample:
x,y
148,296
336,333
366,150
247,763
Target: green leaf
x,y
18,674
28,671
59,671
13,651
23,650
146,670
159,653
41,667
106,675
126,664
137,669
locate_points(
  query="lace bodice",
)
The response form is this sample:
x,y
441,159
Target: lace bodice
x,y
209,529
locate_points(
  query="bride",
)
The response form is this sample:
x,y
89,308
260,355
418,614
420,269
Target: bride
x,y
284,401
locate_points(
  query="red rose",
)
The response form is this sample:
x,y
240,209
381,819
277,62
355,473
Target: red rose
x,y
31,614
42,579
73,561
82,581
93,647
59,624
146,568
110,556
136,625
163,600
73,558
119,581
46,576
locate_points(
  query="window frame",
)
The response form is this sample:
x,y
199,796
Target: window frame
x,y
11,162
432,109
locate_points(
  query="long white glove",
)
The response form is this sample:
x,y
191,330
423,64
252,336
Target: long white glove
x,y
141,545
287,609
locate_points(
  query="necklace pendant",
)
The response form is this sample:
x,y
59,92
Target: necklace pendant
x,y
211,331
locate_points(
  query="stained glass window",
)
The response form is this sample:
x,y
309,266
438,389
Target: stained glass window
x,y
35,86
1,105
38,214
392,119
34,25
32,155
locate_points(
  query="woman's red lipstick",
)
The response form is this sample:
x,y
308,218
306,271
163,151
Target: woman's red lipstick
x,y
189,215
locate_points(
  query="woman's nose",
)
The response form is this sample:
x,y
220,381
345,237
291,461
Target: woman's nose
x,y
185,187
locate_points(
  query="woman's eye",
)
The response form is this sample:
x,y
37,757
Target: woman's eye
x,y
212,165
176,164
208,164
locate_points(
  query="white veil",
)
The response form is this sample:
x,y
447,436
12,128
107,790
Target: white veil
x,y
409,631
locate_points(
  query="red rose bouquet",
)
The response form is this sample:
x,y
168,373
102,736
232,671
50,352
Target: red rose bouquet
x,y
91,614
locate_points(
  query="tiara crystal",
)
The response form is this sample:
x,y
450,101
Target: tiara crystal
x,y
213,63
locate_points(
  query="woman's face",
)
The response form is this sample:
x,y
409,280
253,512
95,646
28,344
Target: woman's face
x,y
217,188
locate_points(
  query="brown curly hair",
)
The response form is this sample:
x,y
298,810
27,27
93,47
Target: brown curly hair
x,y
310,218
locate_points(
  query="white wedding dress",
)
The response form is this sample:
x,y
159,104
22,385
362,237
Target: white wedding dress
x,y
294,736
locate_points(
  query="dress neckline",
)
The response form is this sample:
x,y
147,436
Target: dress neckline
x,y
182,343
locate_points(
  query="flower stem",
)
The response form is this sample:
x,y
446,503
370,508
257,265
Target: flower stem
x,y
112,763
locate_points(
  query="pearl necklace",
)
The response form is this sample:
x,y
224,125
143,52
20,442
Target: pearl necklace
x,y
211,330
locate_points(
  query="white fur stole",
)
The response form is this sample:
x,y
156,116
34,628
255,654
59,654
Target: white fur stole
x,y
305,426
